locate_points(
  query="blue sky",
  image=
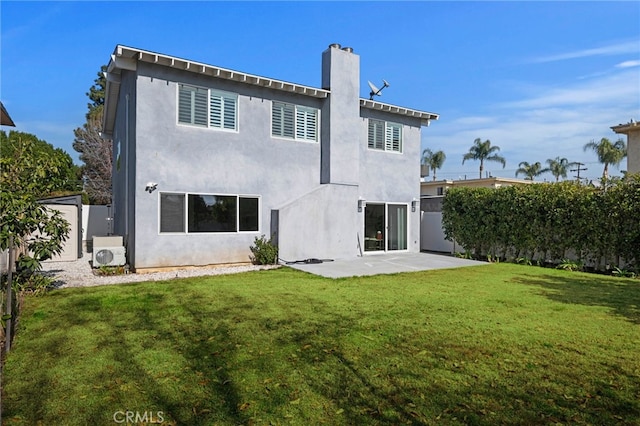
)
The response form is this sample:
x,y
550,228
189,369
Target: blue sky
x,y
539,79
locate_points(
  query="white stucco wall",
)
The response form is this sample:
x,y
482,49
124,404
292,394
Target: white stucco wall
x,y
322,224
432,235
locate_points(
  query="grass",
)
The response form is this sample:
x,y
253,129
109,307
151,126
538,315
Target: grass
x,y
495,344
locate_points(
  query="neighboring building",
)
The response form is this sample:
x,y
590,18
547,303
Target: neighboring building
x,y
439,187
206,159
632,130
5,119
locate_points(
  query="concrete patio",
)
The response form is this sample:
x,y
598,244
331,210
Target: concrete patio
x,y
387,263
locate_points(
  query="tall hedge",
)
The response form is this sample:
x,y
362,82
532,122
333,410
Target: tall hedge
x,y
548,222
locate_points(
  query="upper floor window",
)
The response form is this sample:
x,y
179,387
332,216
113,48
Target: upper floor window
x,y
207,107
385,136
294,122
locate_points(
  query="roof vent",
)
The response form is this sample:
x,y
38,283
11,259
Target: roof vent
x,y
334,45
348,49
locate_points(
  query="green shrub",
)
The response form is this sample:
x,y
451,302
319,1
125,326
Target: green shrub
x,y
111,270
548,223
569,265
264,251
29,282
620,272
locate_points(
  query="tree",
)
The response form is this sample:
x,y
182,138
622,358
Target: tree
x,y
559,167
96,93
434,160
530,170
32,168
608,153
31,165
483,151
95,152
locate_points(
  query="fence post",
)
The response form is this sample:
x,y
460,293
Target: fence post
x,y
8,315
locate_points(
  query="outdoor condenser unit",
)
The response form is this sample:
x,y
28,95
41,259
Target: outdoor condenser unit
x,y
108,251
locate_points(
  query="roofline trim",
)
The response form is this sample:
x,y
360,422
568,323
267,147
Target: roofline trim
x,y
424,116
626,128
124,58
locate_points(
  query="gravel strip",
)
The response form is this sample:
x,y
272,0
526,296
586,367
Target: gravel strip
x,y
79,273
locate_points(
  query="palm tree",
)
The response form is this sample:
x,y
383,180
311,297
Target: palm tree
x,y
434,160
559,167
484,151
530,170
608,153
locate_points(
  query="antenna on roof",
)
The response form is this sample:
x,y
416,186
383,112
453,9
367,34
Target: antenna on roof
x,y
375,91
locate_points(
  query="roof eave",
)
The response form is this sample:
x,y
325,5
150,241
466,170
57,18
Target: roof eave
x,y
632,126
126,55
424,116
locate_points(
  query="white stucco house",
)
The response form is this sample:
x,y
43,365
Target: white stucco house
x,y
632,130
207,158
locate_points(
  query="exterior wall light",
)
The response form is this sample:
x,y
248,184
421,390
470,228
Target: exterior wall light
x,y
414,204
362,203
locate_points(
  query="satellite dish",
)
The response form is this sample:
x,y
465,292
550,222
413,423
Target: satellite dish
x,y
373,88
375,91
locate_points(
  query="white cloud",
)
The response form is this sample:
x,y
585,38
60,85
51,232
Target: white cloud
x,y
612,49
474,120
621,87
628,64
548,122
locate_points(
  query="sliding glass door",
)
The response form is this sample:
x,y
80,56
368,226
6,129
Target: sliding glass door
x,y
397,225
375,220
385,227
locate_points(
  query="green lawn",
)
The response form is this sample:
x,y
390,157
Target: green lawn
x,y
494,344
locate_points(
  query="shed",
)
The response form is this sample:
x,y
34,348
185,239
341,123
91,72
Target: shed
x,y
71,208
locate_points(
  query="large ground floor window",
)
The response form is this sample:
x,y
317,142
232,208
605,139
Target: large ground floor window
x,y
208,213
385,227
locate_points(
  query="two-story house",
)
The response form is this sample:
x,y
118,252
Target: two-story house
x,y
206,159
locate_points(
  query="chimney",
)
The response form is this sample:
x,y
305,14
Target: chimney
x,y
341,124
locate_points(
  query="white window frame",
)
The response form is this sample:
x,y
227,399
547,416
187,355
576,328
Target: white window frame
x,y
227,105
384,141
304,123
184,212
185,225
228,102
387,225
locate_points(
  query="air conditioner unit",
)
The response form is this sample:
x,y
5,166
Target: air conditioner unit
x,y
108,256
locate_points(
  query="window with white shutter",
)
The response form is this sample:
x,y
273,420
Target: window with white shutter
x,y
222,113
294,122
384,136
376,134
192,105
306,123
394,137
199,106
282,120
